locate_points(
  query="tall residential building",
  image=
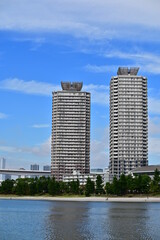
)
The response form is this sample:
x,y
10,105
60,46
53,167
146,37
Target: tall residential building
x,y
70,144
2,163
34,167
46,168
128,122
2,166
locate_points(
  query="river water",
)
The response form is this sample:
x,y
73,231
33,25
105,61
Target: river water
x,y
48,220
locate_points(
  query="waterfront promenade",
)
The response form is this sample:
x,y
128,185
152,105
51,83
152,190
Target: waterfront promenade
x,y
85,199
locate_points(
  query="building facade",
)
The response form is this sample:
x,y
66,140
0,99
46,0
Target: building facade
x,y
46,168
70,142
96,170
34,167
2,166
82,178
146,170
128,122
106,175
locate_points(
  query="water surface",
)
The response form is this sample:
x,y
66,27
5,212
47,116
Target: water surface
x,y
48,220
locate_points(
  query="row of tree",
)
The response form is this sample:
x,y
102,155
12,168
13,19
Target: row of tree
x,y
43,185
141,184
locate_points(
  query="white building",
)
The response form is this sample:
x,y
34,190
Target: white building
x,y
128,122
82,177
106,175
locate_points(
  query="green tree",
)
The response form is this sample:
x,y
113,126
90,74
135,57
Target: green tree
x,y
130,185
99,185
138,184
155,184
122,184
74,187
42,185
21,187
32,186
89,187
109,188
53,187
156,176
145,184
116,188
7,186
81,189
64,187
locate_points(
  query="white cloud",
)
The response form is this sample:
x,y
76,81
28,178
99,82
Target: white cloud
x,y
9,149
40,126
100,97
148,62
86,18
154,126
28,87
42,149
154,105
154,146
92,87
100,149
37,40
100,68
3,115
99,93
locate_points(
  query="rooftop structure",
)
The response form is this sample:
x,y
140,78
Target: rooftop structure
x,y
72,86
127,71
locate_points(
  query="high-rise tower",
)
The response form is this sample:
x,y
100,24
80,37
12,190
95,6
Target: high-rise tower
x,y
2,166
70,143
128,122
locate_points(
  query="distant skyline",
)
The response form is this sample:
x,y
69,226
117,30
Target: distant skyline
x,y
46,42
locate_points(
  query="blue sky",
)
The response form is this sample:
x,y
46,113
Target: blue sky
x,y
45,42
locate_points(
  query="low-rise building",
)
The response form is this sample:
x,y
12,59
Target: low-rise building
x,y
82,177
106,175
8,177
146,170
96,170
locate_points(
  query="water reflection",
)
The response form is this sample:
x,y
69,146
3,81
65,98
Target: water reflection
x,y
65,220
113,221
43,220
128,221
